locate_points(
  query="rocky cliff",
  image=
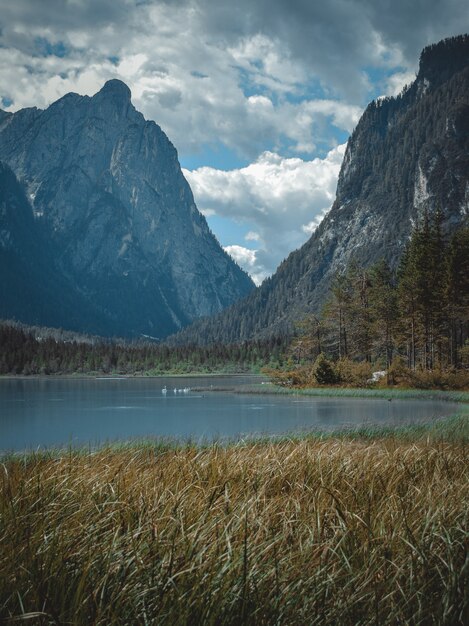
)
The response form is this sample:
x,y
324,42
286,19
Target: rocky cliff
x,y
407,154
31,286
108,199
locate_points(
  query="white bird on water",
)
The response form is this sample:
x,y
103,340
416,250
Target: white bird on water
x,y
164,390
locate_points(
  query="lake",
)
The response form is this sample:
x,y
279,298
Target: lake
x,y
48,412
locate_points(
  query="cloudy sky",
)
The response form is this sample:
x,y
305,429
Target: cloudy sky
x,y
258,96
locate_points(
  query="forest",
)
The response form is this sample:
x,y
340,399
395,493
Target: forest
x,y
412,323
24,351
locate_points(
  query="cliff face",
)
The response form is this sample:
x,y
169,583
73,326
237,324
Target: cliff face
x,y
108,195
31,286
407,154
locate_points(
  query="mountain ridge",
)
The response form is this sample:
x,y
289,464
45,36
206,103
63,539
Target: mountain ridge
x,y
407,154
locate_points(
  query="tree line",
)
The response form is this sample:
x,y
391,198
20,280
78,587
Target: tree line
x,y
419,313
27,352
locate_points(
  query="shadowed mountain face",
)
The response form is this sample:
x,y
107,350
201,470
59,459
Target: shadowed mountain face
x,y
407,155
116,217
31,286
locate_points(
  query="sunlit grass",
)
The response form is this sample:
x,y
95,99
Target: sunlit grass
x,y
369,529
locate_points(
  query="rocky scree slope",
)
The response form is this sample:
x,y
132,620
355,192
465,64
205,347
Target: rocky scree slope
x,y
407,154
110,205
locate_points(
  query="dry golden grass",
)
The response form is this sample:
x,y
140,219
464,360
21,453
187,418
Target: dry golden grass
x,y
308,532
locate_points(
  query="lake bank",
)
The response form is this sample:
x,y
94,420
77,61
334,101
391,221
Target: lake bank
x,y
267,386
349,392
325,531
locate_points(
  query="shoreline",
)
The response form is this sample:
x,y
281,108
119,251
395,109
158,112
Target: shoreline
x,y
125,376
266,387
387,393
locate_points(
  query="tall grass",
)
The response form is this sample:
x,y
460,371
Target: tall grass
x,y
347,392
333,531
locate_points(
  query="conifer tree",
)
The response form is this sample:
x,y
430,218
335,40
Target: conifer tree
x,y
407,303
384,311
421,292
457,293
335,315
358,313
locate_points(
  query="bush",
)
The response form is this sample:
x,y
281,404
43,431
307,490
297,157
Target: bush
x,y
300,376
398,373
324,371
353,374
401,375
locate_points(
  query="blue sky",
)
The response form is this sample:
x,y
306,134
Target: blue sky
x,y
259,97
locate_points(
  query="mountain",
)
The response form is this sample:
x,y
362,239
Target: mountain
x,y
111,214
31,286
407,154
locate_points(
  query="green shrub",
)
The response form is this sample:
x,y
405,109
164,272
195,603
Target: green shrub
x,y
324,371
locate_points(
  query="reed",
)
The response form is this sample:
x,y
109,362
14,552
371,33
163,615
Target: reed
x,y
315,531
348,392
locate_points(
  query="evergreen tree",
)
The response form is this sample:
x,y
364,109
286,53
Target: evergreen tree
x,y
307,345
384,311
421,291
457,293
358,313
335,315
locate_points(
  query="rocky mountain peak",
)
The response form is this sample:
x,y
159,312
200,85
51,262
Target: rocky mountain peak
x,y
108,195
113,102
115,89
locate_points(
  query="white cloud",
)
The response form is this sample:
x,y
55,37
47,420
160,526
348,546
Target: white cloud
x,y
246,258
285,198
397,81
208,72
269,78
252,236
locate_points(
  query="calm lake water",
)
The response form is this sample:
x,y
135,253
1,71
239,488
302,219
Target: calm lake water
x,y
38,413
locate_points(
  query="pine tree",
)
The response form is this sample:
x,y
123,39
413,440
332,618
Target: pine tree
x,y
335,315
421,292
358,313
407,303
457,293
307,344
384,311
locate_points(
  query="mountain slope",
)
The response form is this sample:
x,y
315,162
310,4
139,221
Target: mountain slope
x,y
31,287
407,154
109,196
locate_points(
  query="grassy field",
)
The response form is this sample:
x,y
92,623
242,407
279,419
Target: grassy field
x,y
364,529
